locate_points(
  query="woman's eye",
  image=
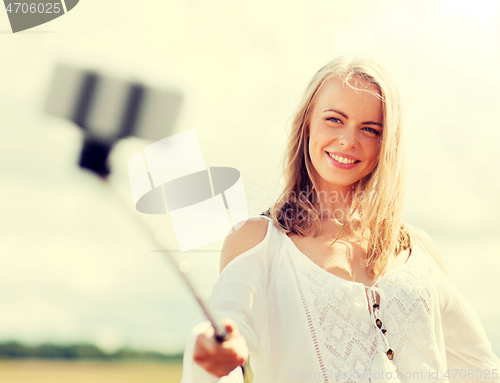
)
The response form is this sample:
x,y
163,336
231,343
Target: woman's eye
x,y
371,130
333,119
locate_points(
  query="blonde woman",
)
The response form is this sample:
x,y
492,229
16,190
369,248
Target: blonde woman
x,y
330,284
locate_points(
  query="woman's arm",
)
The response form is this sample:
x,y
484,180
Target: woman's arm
x,y
236,297
468,351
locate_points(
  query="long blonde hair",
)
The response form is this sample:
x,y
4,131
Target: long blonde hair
x,y
378,197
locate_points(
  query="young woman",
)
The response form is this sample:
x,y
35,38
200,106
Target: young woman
x,y
330,284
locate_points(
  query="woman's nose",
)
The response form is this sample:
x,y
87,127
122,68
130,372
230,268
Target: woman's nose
x,y
348,138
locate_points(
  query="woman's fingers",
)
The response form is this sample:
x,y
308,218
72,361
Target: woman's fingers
x,y
208,347
221,358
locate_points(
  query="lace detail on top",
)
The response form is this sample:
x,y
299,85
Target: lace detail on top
x,y
309,319
339,316
412,306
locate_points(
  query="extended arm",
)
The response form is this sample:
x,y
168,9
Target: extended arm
x,y
236,297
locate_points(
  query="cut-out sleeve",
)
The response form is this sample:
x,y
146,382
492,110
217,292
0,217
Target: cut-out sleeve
x,y
240,294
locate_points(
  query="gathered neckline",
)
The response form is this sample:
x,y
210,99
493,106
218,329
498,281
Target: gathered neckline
x,y
383,277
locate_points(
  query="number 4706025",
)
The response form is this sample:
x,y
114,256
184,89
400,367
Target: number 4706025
x,y
33,8
471,374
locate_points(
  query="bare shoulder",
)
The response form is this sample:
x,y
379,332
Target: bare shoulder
x,y
242,237
427,242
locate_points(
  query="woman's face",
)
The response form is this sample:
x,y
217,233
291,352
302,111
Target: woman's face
x,y
347,125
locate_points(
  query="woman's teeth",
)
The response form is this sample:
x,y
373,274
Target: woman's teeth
x,y
342,160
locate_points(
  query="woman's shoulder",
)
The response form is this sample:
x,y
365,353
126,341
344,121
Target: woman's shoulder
x,y
418,234
245,235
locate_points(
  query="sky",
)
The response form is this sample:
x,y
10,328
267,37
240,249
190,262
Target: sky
x,y
78,263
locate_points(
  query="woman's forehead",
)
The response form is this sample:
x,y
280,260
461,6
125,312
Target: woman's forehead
x,y
358,96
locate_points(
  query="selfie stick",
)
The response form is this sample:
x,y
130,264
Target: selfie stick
x,y
107,109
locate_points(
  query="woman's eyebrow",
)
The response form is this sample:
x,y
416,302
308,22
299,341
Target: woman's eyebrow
x,y
345,116
338,112
372,123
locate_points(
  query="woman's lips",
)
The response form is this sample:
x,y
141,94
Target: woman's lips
x,y
339,164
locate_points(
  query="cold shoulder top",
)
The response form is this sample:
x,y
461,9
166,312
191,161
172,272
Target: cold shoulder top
x,y
303,323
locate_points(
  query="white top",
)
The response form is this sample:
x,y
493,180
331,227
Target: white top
x,y
302,322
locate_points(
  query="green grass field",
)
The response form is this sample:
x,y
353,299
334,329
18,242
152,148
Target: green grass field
x,y
39,371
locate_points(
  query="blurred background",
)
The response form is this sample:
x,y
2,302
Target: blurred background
x,y
75,267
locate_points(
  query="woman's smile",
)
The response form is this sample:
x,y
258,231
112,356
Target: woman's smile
x,y
343,161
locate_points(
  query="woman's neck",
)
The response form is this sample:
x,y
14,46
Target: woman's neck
x,y
333,204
